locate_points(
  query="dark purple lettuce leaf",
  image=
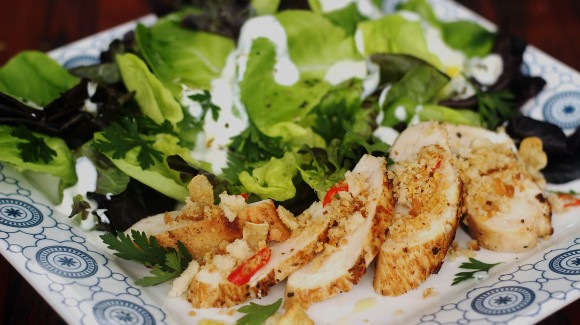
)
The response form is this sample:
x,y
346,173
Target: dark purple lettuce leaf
x,y
138,201
563,152
66,116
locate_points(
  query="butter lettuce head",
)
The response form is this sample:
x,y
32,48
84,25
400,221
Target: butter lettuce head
x,y
182,56
155,101
34,76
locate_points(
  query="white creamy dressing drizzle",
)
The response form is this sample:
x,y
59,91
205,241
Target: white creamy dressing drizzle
x,y
87,182
365,7
452,60
415,119
401,113
485,70
372,79
285,71
333,5
386,134
211,143
345,70
456,65
89,106
383,96
359,41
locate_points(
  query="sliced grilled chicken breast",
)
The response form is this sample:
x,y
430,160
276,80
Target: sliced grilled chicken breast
x,y
504,208
427,188
210,287
360,218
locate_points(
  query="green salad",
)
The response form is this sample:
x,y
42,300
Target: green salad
x,y
265,99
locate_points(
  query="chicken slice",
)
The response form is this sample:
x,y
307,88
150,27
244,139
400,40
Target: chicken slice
x,y
504,208
210,288
427,189
204,227
360,219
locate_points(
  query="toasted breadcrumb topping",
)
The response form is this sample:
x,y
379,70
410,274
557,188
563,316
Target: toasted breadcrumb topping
x,y
239,250
420,189
429,292
534,158
287,218
491,174
231,205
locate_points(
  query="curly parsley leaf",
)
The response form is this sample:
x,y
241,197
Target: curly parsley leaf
x,y
473,264
254,145
257,314
496,107
166,262
33,149
123,136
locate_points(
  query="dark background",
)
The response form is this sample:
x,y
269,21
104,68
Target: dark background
x,y
551,25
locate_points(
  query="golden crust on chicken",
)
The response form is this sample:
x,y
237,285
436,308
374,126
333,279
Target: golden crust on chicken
x,y
426,188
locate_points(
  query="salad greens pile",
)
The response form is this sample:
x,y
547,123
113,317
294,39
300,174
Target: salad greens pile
x,y
268,100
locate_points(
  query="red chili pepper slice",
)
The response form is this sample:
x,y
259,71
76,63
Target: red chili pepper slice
x,y
244,195
569,200
339,187
437,165
243,273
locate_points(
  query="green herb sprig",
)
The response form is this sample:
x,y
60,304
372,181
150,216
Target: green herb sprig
x,y
33,149
496,107
166,263
204,99
257,314
123,136
473,264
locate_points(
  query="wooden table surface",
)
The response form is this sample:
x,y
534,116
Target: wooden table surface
x,y
551,25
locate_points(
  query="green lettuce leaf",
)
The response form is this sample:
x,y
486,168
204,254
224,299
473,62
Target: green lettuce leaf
x,y
346,18
466,36
182,56
273,179
159,175
110,179
295,136
155,101
269,103
446,114
420,85
265,7
395,34
36,77
314,43
61,166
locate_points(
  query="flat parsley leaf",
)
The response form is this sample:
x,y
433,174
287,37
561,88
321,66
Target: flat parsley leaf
x,y
123,136
257,314
34,149
473,264
166,262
